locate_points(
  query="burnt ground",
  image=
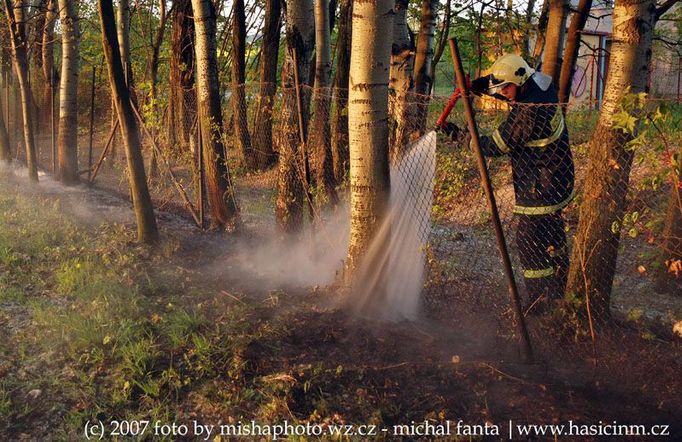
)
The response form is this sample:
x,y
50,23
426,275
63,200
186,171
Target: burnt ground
x,y
306,358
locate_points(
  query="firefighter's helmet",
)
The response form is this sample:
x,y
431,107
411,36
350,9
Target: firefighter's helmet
x,y
510,68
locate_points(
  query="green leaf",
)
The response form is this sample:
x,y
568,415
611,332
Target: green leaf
x,y
625,122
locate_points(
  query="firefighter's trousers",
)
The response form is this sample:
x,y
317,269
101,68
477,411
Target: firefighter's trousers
x,y
541,243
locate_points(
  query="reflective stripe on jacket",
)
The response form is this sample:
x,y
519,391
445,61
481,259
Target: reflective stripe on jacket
x,y
534,135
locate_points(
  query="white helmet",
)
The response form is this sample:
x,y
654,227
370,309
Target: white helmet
x,y
509,68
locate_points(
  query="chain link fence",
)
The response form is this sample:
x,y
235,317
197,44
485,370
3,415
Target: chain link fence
x,y
539,165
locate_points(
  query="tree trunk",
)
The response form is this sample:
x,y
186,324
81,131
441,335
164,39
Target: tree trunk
x,y
262,132
300,35
401,82
340,119
67,138
5,151
123,32
182,96
540,33
153,69
48,63
595,250
15,21
321,137
238,86
220,193
422,62
554,39
368,125
142,202
442,42
572,47
671,249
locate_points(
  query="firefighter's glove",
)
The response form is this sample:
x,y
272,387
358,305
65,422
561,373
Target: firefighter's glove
x,y
480,85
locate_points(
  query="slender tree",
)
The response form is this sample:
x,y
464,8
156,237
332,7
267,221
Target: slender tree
x,y
595,250
340,108
554,38
572,47
238,84
182,95
300,38
401,82
47,48
142,202
262,132
422,61
368,125
67,138
219,187
5,152
326,186
15,20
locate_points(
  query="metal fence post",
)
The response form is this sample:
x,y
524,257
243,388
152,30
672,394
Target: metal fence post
x,y
526,347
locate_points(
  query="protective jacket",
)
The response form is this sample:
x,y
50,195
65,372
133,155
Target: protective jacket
x,y
534,135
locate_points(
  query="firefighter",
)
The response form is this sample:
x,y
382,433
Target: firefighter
x,y
534,135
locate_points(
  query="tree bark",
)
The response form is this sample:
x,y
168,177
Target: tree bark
x,y
572,47
67,138
595,250
142,203
554,39
340,153
321,141
48,62
123,33
368,125
182,95
422,62
401,82
262,139
238,86
5,151
300,35
219,189
15,21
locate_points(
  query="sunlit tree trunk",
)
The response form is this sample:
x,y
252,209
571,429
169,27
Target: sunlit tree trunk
x,y
667,280
153,70
300,35
340,117
262,132
5,152
595,250
47,48
142,202
219,188
321,136
238,86
400,81
368,124
67,139
182,96
424,55
15,20
572,47
123,32
554,38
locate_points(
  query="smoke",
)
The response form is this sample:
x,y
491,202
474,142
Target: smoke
x,y
312,258
391,275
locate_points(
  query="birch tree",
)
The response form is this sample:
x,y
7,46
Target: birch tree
x,y
595,250
142,202
368,124
422,61
14,14
401,82
67,138
47,49
220,192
